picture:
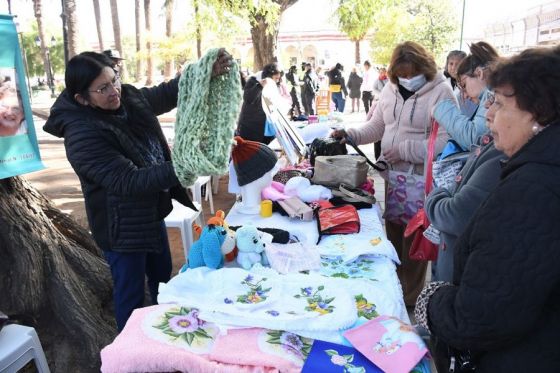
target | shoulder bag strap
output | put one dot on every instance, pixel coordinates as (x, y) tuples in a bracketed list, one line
[(379, 166), (430, 156)]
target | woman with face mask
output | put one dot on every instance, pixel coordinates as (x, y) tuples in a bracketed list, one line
[(401, 120), (472, 74)]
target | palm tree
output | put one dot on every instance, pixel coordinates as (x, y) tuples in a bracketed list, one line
[(69, 9), (148, 20), (198, 32), (38, 10), (99, 24), (168, 67), (138, 20), (117, 32)]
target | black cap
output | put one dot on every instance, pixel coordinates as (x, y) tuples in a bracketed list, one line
[(113, 54)]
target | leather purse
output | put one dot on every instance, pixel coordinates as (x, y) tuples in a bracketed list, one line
[(337, 220), (422, 248), (331, 171), (297, 209)]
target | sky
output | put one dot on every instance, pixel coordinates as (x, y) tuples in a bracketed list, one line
[(478, 13)]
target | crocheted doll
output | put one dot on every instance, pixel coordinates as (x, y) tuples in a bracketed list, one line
[(228, 247), (207, 110), (251, 247), (207, 250)]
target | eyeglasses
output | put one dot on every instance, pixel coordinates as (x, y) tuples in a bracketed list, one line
[(461, 82), (490, 97), (14, 110), (106, 88)]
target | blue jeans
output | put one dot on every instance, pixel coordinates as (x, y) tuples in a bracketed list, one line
[(129, 271), (339, 101)]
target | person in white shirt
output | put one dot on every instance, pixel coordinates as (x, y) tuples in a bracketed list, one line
[(369, 79)]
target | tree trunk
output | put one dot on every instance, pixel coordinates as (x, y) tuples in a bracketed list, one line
[(264, 38), (99, 24), (53, 278), (138, 20), (168, 70), (198, 29), (117, 34), (38, 10), (72, 24), (357, 51), (150, 62)]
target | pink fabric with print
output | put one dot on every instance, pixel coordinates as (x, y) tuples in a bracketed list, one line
[(240, 346), (388, 343), (133, 351)]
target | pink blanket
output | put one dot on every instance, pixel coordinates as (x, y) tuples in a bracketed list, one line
[(169, 338)]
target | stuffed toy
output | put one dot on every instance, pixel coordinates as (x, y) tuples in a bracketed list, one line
[(250, 246), (228, 247), (207, 250)]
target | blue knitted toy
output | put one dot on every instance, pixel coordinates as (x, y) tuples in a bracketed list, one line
[(207, 250)]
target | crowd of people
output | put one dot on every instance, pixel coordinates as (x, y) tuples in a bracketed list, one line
[(494, 299), (492, 305)]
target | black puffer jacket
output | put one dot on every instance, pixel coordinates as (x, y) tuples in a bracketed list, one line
[(126, 196), (252, 117), (504, 305)]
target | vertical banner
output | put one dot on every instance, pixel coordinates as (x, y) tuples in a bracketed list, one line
[(19, 150)]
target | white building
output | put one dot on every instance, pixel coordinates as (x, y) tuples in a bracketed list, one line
[(309, 33), (541, 26)]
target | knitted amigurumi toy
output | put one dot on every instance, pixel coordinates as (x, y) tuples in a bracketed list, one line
[(228, 247), (251, 247), (207, 250)]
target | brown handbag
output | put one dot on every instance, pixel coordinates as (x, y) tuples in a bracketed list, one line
[(334, 170)]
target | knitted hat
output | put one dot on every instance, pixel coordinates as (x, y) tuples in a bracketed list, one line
[(251, 160)]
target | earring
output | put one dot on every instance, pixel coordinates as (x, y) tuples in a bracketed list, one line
[(536, 129)]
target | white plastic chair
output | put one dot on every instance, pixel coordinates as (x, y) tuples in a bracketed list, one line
[(18, 346), (183, 217), (196, 191)]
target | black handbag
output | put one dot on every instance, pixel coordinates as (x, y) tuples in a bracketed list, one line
[(327, 146), (4, 320)]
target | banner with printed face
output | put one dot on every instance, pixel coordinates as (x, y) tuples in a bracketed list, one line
[(19, 151)]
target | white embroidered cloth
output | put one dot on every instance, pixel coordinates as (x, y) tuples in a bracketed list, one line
[(233, 296), (370, 240)]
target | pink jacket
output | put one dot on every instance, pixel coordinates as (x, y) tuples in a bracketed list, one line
[(405, 124)]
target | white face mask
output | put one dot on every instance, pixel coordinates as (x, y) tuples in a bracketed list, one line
[(413, 84)]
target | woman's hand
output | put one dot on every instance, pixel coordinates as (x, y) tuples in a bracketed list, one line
[(392, 155), (222, 65), (340, 135)]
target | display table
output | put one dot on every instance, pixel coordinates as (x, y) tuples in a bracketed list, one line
[(171, 337)]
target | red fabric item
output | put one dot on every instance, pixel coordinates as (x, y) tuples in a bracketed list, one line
[(338, 220), (422, 248)]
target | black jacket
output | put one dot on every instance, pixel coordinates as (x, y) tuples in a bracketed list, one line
[(504, 305), (252, 118), (126, 195)]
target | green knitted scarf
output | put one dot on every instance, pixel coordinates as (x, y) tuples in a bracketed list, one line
[(207, 110)]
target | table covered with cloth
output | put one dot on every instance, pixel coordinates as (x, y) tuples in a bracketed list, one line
[(205, 322)]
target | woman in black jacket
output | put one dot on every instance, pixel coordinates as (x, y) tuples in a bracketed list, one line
[(502, 311), (115, 144), (252, 118)]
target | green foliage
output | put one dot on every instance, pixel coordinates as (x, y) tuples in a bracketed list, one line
[(431, 23), (33, 53), (435, 24), (356, 17), (392, 28)]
